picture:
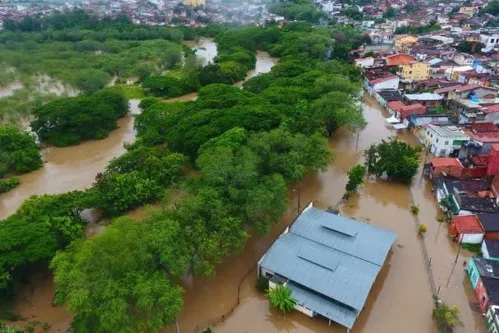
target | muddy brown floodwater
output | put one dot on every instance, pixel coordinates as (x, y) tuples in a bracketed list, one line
[(400, 300), (73, 168)]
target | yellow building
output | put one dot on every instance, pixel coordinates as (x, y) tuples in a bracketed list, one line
[(414, 71), (401, 42), (194, 3)]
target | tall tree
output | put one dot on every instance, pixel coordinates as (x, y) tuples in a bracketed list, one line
[(113, 283)]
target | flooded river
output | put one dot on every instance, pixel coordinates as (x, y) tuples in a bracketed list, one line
[(73, 168), (400, 300)]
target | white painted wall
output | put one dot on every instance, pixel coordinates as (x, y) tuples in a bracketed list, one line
[(304, 310), (472, 238), (389, 84), (485, 252)]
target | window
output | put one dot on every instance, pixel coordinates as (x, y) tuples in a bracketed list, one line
[(437, 140), (446, 143)]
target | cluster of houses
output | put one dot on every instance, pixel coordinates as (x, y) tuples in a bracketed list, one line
[(449, 101)]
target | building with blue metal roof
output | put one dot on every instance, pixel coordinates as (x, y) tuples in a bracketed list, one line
[(329, 262)]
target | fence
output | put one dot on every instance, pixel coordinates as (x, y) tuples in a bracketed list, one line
[(427, 258)]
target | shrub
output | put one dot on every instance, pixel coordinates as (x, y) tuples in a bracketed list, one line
[(281, 299), (423, 228), (447, 317), (8, 184), (415, 210)]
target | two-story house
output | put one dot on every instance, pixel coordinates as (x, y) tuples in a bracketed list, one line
[(414, 71)]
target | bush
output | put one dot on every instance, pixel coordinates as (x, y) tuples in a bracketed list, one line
[(422, 228), (447, 317), (415, 210), (262, 284), (281, 299), (8, 184)]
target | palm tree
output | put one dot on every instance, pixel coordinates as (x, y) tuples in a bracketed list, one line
[(281, 299)]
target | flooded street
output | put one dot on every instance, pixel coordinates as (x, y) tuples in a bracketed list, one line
[(400, 300)]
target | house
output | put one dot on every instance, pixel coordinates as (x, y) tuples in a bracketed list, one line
[(409, 110), (386, 82), (484, 135), (463, 59), (466, 229), (466, 196), (484, 277), (493, 319), (443, 140), (364, 62), (490, 249), (399, 59), (426, 99), (418, 120), (447, 166), (452, 73), (403, 41), (490, 224), (414, 71), (329, 262)]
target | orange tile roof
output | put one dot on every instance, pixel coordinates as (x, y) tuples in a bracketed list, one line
[(467, 224), (445, 161), (399, 59)]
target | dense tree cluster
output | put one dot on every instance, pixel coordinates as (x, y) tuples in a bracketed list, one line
[(491, 8), (84, 51), (432, 26), (396, 160), (136, 178), (19, 152), (68, 121), (41, 226), (300, 10), (246, 144)]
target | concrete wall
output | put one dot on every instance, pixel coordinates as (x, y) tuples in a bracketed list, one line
[(304, 310), (389, 84), (481, 296), (471, 238), (473, 273)]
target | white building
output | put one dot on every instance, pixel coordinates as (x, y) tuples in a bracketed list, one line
[(364, 62), (443, 140), (385, 83)]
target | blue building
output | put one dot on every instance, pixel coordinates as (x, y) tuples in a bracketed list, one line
[(329, 262)]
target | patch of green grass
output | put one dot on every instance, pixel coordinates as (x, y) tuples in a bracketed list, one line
[(476, 248)]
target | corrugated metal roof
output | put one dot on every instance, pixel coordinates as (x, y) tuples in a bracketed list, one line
[(370, 243), (323, 306), (333, 256)]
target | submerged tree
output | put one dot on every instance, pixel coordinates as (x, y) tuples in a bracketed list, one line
[(395, 159), (355, 178), (447, 317), (281, 299)]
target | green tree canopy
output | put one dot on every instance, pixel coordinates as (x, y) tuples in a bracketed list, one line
[(113, 283), (68, 121), (19, 152), (397, 159)]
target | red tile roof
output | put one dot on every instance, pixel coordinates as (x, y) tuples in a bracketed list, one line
[(491, 108), (399, 59), (445, 161), (467, 224), (446, 89), (467, 87), (396, 105), (484, 127)]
